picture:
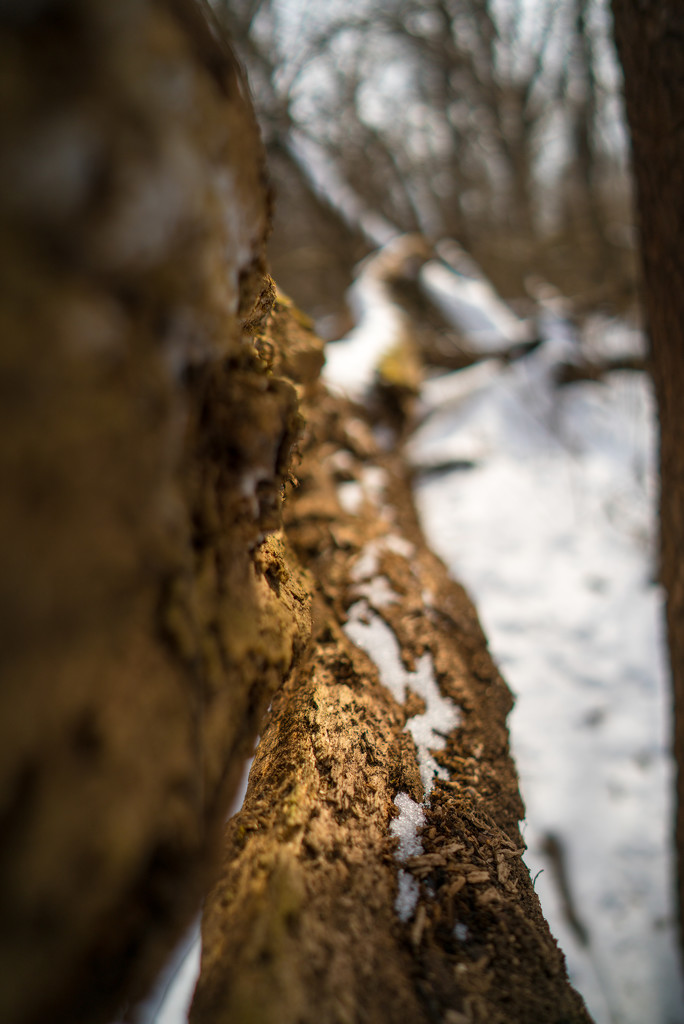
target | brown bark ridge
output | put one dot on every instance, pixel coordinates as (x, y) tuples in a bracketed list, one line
[(374, 873), (650, 40), (144, 446)]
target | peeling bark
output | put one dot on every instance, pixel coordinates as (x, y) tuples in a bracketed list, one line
[(307, 922)]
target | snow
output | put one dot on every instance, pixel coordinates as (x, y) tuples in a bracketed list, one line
[(169, 1002), (366, 565), (378, 592), (353, 493), (408, 891), (405, 828), (469, 302), (440, 716), (249, 483), (351, 496), (352, 362), (371, 633), (542, 501)]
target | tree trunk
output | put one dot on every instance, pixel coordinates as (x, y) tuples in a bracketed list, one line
[(144, 446), (650, 39), (374, 873)]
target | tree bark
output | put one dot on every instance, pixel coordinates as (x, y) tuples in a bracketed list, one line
[(650, 40), (144, 446), (312, 918)]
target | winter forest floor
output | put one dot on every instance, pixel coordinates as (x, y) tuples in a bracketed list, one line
[(552, 529), (541, 500)]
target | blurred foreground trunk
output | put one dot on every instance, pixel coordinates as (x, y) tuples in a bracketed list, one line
[(153, 606), (143, 449), (650, 39)]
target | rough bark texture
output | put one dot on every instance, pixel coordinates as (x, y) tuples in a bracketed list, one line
[(143, 446), (650, 38), (302, 925)]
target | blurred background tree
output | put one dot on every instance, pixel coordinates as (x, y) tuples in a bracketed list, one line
[(496, 122)]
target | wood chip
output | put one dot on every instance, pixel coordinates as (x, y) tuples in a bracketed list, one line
[(503, 869), (426, 860), (452, 848), (418, 925), (456, 886), (490, 895), (454, 1017), (477, 877)]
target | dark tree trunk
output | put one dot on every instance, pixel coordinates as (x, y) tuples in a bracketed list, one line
[(650, 40)]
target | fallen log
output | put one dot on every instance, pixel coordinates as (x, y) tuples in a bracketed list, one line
[(374, 872)]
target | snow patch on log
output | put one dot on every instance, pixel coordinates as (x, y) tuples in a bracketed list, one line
[(405, 828), (370, 487), (368, 563), (378, 592), (429, 730), (376, 638), (351, 363), (351, 496)]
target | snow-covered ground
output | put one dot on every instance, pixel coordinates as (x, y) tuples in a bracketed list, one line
[(552, 530)]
